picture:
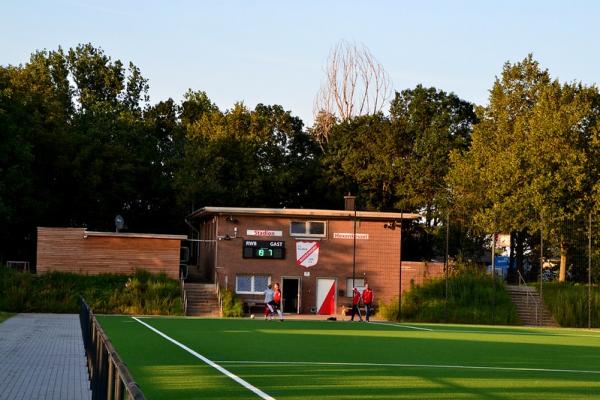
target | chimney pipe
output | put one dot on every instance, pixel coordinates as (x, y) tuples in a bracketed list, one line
[(349, 202)]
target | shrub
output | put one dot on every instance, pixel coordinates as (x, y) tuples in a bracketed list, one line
[(58, 292), (231, 305), (472, 299)]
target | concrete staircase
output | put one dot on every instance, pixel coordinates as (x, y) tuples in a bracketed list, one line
[(530, 309), (201, 299)]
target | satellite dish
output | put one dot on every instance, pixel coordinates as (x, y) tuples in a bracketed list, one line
[(119, 222)]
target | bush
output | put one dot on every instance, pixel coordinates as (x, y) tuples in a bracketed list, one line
[(232, 306), (58, 292), (472, 299), (568, 303)]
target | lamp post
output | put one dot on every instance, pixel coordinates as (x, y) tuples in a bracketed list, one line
[(350, 204), (392, 226), (400, 269)]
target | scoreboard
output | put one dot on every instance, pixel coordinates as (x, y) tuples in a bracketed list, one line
[(264, 249)]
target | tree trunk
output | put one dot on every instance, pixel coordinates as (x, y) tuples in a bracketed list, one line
[(519, 250), (562, 275)]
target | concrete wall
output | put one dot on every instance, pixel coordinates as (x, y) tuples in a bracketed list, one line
[(78, 251)]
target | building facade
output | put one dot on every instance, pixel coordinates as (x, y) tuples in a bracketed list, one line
[(80, 251), (316, 256)]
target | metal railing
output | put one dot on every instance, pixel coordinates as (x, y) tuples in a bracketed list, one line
[(109, 377), (183, 297), (218, 290), (529, 296)]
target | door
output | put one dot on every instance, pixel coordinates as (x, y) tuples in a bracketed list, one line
[(290, 295), (326, 288)]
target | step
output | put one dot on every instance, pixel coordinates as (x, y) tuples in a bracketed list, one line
[(526, 299)]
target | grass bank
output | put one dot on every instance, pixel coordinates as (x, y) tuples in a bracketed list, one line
[(473, 298), (4, 316), (57, 292), (568, 303)]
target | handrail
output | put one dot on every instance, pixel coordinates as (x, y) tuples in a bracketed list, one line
[(183, 297), (218, 290), (109, 377), (182, 278), (529, 296)]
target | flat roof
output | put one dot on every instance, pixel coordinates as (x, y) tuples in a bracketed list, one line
[(135, 235), (301, 212)]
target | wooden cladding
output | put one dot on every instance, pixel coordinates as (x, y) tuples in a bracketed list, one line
[(73, 250)]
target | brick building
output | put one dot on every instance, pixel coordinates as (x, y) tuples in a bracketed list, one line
[(311, 253)]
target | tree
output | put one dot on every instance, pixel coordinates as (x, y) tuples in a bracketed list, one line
[(529, 166), (242, 157), (432, 123), (355, 84), (366, 156)]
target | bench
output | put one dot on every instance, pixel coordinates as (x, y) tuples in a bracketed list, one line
[(347, 310), (252, 307)]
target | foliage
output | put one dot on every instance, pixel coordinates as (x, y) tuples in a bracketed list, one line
[(4, 316), (58, 292), (473, 298), (399, 162), (533, 159), (243, 157), (568, 303), (232, 306)]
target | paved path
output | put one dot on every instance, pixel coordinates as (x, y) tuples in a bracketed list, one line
[(42, 357)]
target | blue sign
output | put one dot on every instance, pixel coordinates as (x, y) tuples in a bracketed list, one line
[(502, 262)]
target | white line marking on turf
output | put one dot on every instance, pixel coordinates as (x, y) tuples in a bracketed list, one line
[(216, 366), (516, 333), (358, 364), (401, 326), (498, 332)]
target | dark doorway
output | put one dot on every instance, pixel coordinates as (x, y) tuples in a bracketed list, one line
[(291, 289)]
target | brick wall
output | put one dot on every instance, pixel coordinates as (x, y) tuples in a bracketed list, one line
[(377, 257), (75, 250)]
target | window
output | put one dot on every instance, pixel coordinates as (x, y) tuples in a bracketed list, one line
[(358, 282), (251, 284), (307, 228)]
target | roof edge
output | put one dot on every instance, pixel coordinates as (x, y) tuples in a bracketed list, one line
[(135, 235), (301, 212)]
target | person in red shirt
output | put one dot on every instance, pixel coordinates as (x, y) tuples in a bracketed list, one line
[(355, 301), (277, 300), (367, 298)]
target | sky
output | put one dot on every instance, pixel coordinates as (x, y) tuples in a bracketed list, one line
[(274, 52)]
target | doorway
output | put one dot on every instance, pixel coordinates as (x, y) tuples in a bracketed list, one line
[(290, 295)]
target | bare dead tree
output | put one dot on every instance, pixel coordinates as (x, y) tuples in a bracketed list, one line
[(355, 84)]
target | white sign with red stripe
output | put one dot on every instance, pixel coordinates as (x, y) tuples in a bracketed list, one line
[(307, 253), (325, 296)]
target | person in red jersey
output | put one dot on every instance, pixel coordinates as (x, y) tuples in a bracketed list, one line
[(355, 302), (367, 298), (277, 301)]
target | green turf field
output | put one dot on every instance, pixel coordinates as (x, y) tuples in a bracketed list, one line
[(343, 360)]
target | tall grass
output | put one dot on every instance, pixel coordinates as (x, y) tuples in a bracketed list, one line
[(472, 299), (4, 316), (58, 292), (568, 303)]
